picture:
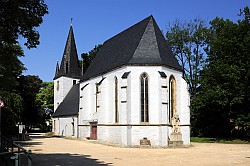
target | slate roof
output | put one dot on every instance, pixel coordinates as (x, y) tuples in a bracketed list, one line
[(57, 70), (141, 44), (69, 65), (70, 105)]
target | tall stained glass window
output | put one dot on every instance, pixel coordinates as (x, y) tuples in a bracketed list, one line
[(144, 98), (116, 101)]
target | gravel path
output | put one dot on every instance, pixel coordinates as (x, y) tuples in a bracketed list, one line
[(52, 151)]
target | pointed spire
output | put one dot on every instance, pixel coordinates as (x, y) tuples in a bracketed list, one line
[(70, 65), (82, 67), (57, 69)]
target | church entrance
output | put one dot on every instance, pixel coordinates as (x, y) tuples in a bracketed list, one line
[(93, 130), (93, 134)]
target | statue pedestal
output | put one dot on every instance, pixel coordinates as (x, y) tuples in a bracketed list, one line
[(175, 139), (175, 136)]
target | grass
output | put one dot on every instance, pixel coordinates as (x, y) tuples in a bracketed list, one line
[(220, 140)]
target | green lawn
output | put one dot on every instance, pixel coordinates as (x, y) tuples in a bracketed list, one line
[(219, 140)]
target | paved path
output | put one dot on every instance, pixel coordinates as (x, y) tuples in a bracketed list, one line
[(65, 152)]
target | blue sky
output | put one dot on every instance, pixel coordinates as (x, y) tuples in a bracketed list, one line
[(95, 21)]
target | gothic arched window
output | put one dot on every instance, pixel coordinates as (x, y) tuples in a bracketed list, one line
[(116, 101), (172, 97), (144, 98)]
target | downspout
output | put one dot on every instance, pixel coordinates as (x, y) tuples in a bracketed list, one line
[(58, 126), (77, 134)]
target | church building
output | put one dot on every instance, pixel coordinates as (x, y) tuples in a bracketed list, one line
[(132, 94)]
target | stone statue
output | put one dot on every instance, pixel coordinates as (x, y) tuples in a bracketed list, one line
[(176, 124), (176, 136)]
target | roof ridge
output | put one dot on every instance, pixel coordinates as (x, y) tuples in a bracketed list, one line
[(128, 28), (148, 42), (156, 36), (141, 35)]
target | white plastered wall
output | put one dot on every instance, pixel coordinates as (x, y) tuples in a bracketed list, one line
[(65, 84), (66, 126), (129, 130), (182, 103)]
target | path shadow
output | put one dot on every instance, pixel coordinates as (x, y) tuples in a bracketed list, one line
[(63, 159), (57, 159), (37, 135), (29, 142)]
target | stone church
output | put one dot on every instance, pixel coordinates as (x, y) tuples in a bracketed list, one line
[(132, 94)]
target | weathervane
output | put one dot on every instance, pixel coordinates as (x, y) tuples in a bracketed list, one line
[(71, 19)]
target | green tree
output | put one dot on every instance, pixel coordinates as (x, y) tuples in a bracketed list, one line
[(45, 98), (46, 95), (11, 112), (222, 107), (29, 87), (18, 19), (11, 66), (88, 57), (189, 42)]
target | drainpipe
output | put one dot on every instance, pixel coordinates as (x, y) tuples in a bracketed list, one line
[(77, 134)]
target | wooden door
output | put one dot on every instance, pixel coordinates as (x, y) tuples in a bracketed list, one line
[(93, 134)]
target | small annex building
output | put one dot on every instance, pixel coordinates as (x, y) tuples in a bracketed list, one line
[(132, 93)]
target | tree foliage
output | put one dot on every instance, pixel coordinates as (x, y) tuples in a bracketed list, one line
[(45, 99), (222, 107), (29, 87), (88, 57), (11, 112), (19, 18), (46, 95), (11, 66), (188, 42)]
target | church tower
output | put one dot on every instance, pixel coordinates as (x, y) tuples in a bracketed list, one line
[(69, 72)]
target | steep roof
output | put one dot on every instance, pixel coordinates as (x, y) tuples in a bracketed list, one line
[(70, 105), (57, 69), (141, 44), (69, 65)]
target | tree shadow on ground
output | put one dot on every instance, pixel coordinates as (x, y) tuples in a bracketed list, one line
[(27, 144), (62, 159)]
